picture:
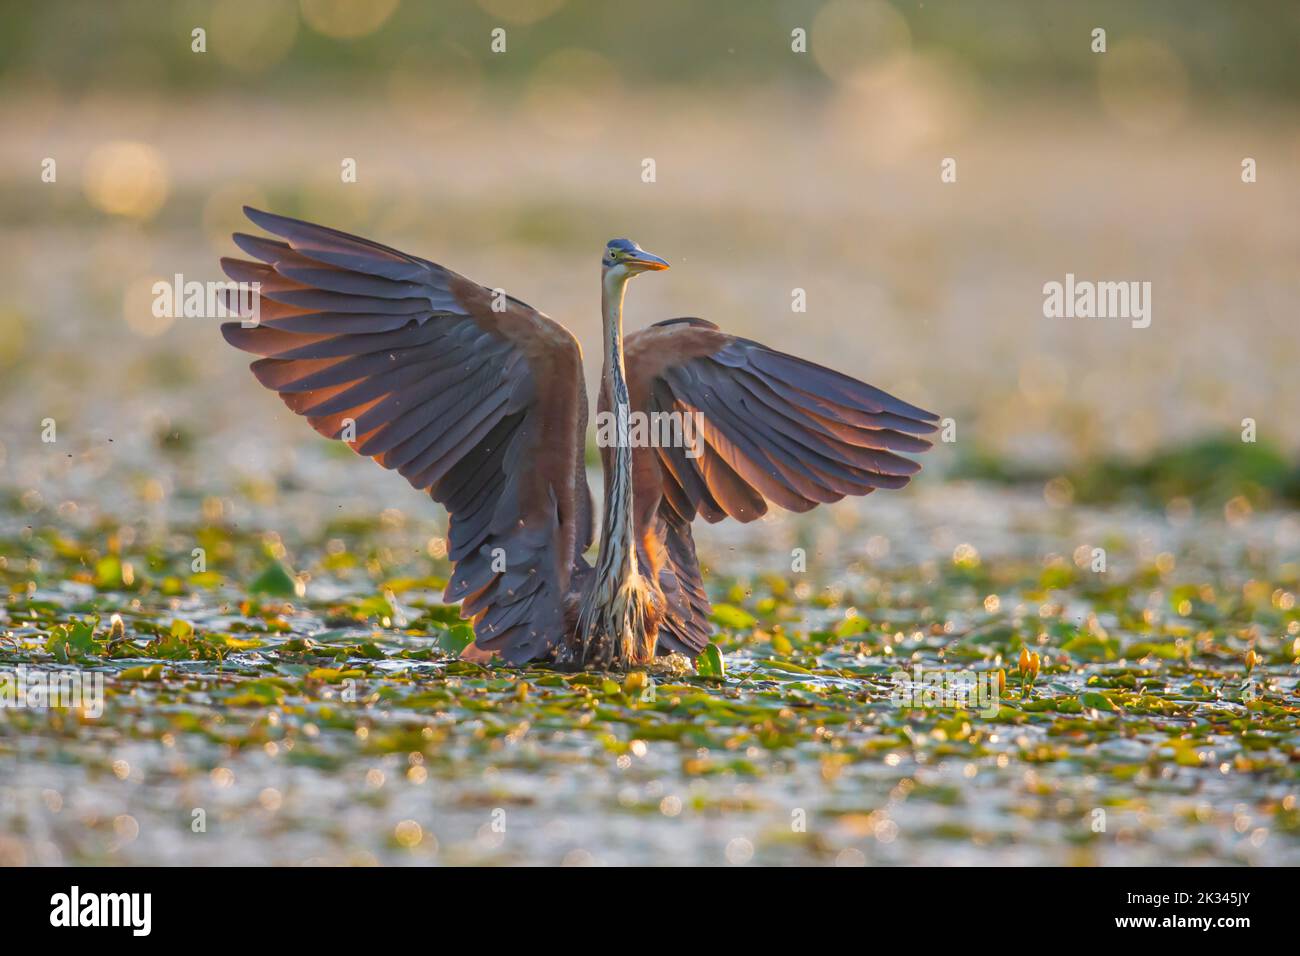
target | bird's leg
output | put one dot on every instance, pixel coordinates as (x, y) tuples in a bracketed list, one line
[(614, 631)]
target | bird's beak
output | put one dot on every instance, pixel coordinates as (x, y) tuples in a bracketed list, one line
[(646, 262)]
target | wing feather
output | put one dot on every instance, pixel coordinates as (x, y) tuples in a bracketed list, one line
[(484, 410), (775, 429)]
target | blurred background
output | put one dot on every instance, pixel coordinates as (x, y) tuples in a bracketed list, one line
[(775, 170)]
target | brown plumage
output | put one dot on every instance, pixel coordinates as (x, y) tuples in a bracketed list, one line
[(479, 399)]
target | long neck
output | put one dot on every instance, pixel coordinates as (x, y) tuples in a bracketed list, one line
[(616, 562)]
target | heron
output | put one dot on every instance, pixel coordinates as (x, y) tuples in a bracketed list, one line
[(479, 399)]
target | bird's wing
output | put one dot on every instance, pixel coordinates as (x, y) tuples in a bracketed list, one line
[(467, 393), (773, 428), (667, 552)]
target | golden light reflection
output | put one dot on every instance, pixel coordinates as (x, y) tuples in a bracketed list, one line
[(739, 851), (408, 833), (126, 179), (222, 777), (1237, 510), (251, 36), (347, 19), (889, 112), (1059, 492), (126, 827)]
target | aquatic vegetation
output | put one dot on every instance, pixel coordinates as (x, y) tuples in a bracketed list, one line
[(302, 700), (1211, 471)]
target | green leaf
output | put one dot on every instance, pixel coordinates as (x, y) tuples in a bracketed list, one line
[(74, 639), (709, 663), (456, 638), (1090, 647), (255, 693), (852, 627), (733, 618), (787, 666), (108, 573), (1167, 652), (374, 606), (1096, 701), (150, 672), (276, 581), (332, 675), (237, 643), (205, 579)]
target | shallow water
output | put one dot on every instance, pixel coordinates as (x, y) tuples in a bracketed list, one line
[(798, 755)]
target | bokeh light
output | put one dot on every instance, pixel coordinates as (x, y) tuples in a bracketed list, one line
[(887, 113), (849, 37), (251, 36), (126, 179)]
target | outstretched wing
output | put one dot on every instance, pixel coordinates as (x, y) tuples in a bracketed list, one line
[(772, 429), (482, 407)]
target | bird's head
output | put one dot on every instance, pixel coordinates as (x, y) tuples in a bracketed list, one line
[(623, 257)]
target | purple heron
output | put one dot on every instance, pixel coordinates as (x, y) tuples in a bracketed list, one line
[(480, 400)]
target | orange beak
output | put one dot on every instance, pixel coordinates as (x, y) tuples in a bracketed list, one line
[(647, 262)]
